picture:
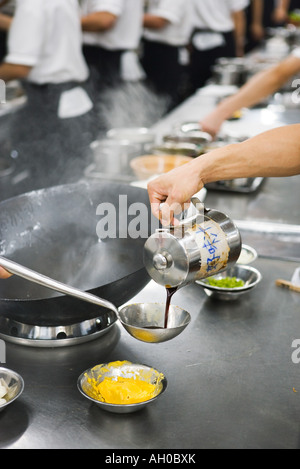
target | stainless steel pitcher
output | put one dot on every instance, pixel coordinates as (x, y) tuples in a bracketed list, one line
[(199, 247)]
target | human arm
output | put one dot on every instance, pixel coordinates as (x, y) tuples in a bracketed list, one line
[(154, 21), (258, 87), (239, 20), (256, 26), (98, 21), (5, 22), (280, 13), (13, 71), (25, 41), (275, 153)]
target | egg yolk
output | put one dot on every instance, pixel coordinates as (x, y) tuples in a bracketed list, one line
[(123, 390), (131, 389)]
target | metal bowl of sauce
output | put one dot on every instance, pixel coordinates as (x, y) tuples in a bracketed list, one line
[(122, 387)]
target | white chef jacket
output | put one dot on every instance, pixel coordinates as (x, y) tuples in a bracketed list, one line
[(178, 13), (46, 35), (127, 31), (216, 15)]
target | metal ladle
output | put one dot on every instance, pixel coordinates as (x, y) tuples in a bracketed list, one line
[(144, 321)]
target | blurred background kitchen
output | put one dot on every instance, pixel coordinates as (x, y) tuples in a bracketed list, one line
[(75, 70)]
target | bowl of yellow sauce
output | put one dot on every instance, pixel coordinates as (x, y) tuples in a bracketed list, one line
[(121, 386)]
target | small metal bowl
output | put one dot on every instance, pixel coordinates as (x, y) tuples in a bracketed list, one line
[(15, 385), (247, 256), (197, 137), (249, 275), (175, 148), (145, 321), (124, 369)]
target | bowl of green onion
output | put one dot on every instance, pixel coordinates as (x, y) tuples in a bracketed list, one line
[(232, 283)]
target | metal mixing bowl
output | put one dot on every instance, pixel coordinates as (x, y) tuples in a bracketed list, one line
[(247, 256), (125, 369), (249, 275), (14, 383), (145, 321)]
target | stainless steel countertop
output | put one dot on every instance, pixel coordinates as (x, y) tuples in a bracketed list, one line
[(231, 379)]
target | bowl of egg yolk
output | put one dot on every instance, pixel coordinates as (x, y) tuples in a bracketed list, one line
[(122, 387)]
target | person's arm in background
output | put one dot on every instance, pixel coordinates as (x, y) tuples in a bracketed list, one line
[(275, 153), (98, 21), (5, 22), (154, 22), (258, 87), (25, 41), (257, 26), (239, 19), (280, 13), (10, 71)]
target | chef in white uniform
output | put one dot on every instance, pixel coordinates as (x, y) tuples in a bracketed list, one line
[(45, 51), (167, 29), (111, 28), (219, 31)]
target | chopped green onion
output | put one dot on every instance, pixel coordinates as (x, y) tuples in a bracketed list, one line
[(227, 282)]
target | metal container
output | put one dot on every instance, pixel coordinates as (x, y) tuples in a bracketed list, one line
[(146, 321), (201, 247), (124, 370), (111, 159), (196, 137), (177, 148), (14, 384), (141, 136), (230, 71), (250, 276)]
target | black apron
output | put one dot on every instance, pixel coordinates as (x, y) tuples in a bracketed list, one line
[(104, 65), (202, 61), (163, 70), (49, 149)]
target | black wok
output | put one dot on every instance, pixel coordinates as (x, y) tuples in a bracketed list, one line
[(54, 231)]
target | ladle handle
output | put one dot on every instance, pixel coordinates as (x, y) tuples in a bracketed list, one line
[(35, 277)]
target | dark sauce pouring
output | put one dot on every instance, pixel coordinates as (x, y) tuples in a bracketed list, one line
[(170, 293)]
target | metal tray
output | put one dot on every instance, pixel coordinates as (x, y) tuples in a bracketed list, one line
[(243, 185)]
